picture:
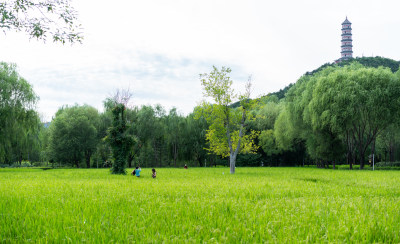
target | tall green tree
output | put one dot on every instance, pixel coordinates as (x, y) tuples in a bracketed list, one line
[(41, 19), (73, 135), (387, 143), (144, 130), (131, 117), (265, 116), (268, 143), (339, 107), (194, 140), (119, 139), (150, 136), (290, 129), (356, 102), (44, 137), (226, 134), (174, 131), (19, 122)]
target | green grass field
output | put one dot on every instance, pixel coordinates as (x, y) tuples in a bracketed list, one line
[(256, 205)]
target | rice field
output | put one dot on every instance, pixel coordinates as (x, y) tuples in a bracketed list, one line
[(200, 205)]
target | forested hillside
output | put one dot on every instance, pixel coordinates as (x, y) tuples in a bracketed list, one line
[(366, 61)]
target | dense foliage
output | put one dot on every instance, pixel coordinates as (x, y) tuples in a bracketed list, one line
[(340, 109), (373, 62), (342, 114), (73, 135), (119, 140), (226, 134), (19, 121)]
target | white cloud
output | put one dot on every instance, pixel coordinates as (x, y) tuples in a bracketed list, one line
[(158, 48)]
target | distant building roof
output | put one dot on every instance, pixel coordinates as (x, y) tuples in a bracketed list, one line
[(346, 21)]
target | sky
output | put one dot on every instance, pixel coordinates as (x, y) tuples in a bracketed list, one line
[(158, 48)]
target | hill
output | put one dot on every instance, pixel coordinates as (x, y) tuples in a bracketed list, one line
[(366, 61)]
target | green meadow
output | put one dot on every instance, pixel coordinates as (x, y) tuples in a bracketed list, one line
[(256, 205)]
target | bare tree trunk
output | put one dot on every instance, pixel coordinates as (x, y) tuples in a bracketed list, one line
[(155, 154), (175, 153), (235, 153), (160, 158), (373, 151), (391, 151), (385, 155), (349, 157), (362, 156), (354, 161), (130, 159), (232, 163), (87, 158), (88, 162), (20, 158)]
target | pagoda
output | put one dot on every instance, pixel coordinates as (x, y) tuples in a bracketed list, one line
[(347, 41)]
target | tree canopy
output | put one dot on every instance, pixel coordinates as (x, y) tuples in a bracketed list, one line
[(341, 114), (73, 135), (226, 134), (19, 121), (340, 107)]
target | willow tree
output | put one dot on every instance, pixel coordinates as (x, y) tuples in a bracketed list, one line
[(339, 107), (226, 134), (19, 121), (356, 103)]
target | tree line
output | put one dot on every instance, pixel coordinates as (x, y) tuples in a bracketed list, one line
[(338, 114)]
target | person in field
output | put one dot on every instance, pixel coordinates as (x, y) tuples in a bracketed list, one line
[(185, 167), (134, 172), (137, 171), (153, 173)]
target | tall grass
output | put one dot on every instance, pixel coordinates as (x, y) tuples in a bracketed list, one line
[(282, 205)]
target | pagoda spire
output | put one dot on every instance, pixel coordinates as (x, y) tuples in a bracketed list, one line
[(347, 41)]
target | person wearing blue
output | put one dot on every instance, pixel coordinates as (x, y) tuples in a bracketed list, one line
[(137, 171)]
